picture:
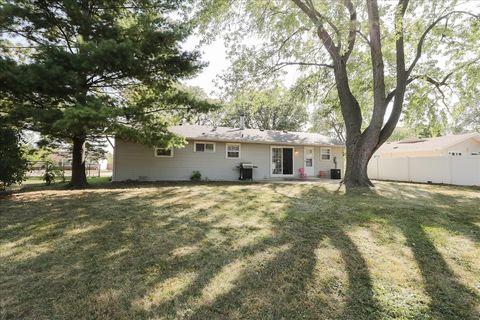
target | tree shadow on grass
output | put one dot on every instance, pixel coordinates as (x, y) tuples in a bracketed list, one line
[(284, 287), (454, 214), (207, 253), (450, 299)]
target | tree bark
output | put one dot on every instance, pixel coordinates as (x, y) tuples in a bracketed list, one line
[(358, 155), (79, 178)]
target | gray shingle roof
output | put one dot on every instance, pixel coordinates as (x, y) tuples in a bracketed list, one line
[(195, 132)]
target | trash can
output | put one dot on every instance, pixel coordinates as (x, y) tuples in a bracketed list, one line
[(335, 174)]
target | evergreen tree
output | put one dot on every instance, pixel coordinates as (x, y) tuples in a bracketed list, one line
[(66, 64), (13, 165)]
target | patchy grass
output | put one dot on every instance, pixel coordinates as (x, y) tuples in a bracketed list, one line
[(231, 251), (37, 183)]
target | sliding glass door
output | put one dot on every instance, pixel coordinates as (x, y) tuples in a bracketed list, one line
[(282, 161)]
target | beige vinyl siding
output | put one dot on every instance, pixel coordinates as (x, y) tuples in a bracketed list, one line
[(138, 162), (326, 165), (466, 147)]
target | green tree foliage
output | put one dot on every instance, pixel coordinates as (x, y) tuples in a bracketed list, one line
[(268, 109), (466, 110), (403, 133), (381, 57), (327, 120), (66, 65), (13, 165)]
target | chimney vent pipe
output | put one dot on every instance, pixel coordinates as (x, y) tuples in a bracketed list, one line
[(242, 121)]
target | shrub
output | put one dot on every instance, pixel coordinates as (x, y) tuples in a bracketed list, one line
[(13, 165), (196, 176), (52, 172)]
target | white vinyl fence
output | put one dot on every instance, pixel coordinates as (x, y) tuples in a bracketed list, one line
[(461, 170)]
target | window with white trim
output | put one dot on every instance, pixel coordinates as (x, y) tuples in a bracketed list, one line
[(163, 152), (204, 147), (325, 153), (232, 150)]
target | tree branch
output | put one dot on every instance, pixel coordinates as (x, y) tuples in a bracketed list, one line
[(44, 6), (363, 36), (379, 105), (313, 15), (324, 18), (402, 76), (353, 28), (425, 33), (284, 42), (288, 63), (391, 94)]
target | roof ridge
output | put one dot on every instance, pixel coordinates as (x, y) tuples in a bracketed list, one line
[(249, 135)]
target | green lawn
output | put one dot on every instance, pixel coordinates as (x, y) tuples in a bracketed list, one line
[(231, 251), (38, 183)]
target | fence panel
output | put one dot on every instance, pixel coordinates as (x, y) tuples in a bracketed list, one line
[(38, 169), (466, 170), (430, 169), (462, 170)]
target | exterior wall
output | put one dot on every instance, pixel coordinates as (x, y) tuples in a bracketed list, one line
[(138, 162), (464, 170), (326, 165), (466, 148)]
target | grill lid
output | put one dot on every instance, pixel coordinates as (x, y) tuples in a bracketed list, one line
[(246, 165)]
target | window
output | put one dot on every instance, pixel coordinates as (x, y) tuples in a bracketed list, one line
[(163, 152), (325, 153), (204, 147), (232, 150)]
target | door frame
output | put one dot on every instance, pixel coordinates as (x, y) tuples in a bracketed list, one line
[(305, 161), (293, 161)]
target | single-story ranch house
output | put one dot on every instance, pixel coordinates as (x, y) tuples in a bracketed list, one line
[(217, 152)]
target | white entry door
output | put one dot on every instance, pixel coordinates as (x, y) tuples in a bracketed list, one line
[(308, 159)]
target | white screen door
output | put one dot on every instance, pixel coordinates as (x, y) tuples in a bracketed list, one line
[(308, 157)]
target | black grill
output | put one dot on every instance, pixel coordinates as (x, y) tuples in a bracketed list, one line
[(246, 171)]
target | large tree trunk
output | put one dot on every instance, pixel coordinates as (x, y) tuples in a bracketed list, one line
[(79, 178), (361, 144), (358, 156)]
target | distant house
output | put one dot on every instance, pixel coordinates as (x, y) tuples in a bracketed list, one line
[(454, 145), (453, 159), (217, 152)]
